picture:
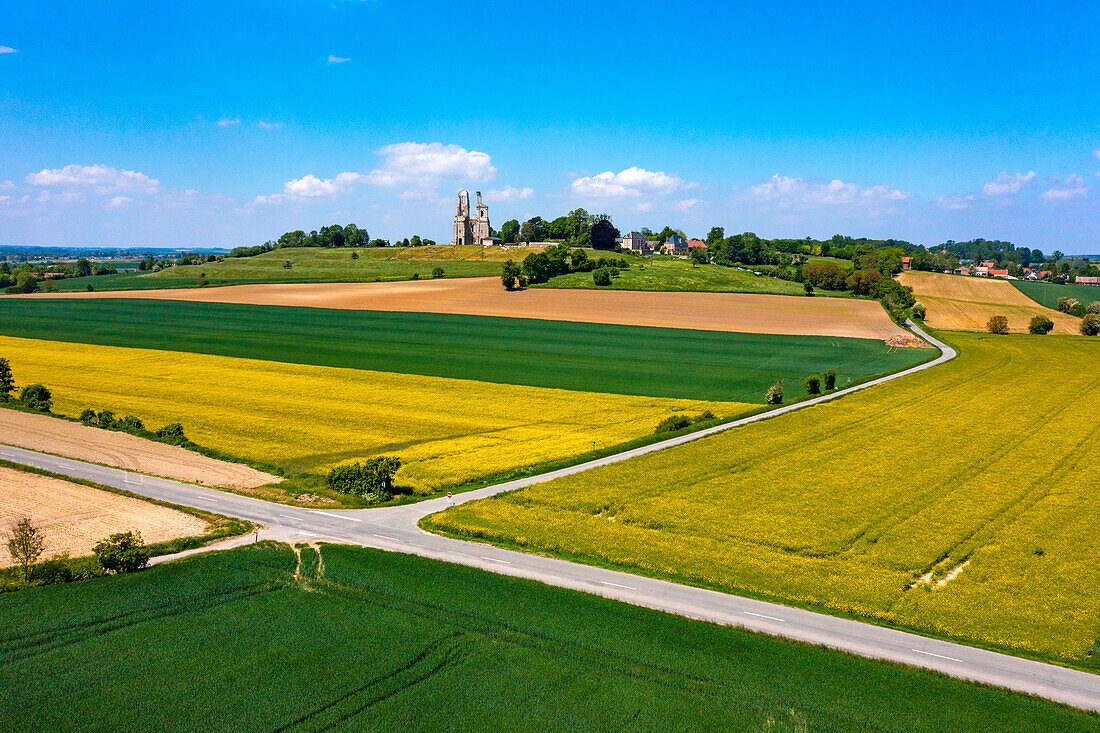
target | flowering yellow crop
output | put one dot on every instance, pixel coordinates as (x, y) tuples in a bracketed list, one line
[(308, 417), (991, 458)]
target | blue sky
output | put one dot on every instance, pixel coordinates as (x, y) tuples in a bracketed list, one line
[(216, 124)]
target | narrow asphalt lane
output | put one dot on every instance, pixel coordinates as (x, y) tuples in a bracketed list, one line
[(395, 529)]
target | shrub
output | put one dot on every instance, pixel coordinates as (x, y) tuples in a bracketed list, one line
[(919, 311), (90, 287), (355, 255), (286, 264), (1078, 309), (1065, 303), (511, 275), (437, 272), (1094, 307), (997, 324), (373, 476), (7, 381), (122, 552), (36, 397), (106, 419), (24, 283), (1090, 325), (602, 276), (673, 422), (415, 276), (1040, 325), (774, 395), (88, 417), (812, 384), (829, 378), (806, 286), (130, 424), (171, 433)]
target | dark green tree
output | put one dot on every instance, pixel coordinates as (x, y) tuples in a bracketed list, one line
[(603, 234), (7, 380), (83, 268), (122, 552), (511, 275), (36, 397)]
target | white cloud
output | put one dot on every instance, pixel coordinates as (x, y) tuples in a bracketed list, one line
[(46, 196), (422, 166), (119, 201), (633, 181), (787, 191), (97, 178), (508, 193), (269, 125), (955, 203), (310, 186), (1073, 185), (7, 49), (334, 59), (1096, 153), (686, 204), (7, 186), (227, 121), (1005, 184)]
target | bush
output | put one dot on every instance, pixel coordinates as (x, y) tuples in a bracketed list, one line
[(830, 378), (7, 381), (812, 384), (64, 569), (355, 255), (1040, 325), (602, 276), (919, 311), (106, 419), (171, 433), (997, 324), (1078, 309), (511, 275), (415, 276), (808, 288), (774, 395), (36, 397), (437, 272), (1090, 324), (673, 422), (1065, 304), (88, 417), (130, 424), (122, 552), (373, 476), (1094, 307), (90, 287)]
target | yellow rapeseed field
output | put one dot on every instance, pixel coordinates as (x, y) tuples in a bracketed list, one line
[(308, 418), (871, 504)]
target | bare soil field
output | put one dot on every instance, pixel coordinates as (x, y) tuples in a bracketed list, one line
[(740, 312), (74, 517), (85, 443), (960, 303)]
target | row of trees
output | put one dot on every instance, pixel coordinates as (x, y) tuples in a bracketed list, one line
[(538, 267), (1041, 325), (334, 235)]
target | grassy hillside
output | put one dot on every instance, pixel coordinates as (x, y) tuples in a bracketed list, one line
[(706, 365), (1048, 293), (376, 641), (671, 274), (956, 501), (314, 264)]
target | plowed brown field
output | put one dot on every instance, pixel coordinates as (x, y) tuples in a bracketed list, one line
[(745, 313), (960, 303), (74, 517), (84, 443)]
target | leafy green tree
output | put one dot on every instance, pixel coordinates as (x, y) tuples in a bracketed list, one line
[(1040, 325), (7, 381), (414, 241), (36, 397), (603, 234), (699, 256), (25, 282), (122, 552), (601, 276), (716, 235), (83, 268), (437, 272), (829, 378), (373, 476), (509, 231), (997, 324), (775, 394), (511, 275), (26, 545), (1090, 324), (812, 384)]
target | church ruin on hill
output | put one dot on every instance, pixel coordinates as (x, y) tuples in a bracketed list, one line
[(472, 229)]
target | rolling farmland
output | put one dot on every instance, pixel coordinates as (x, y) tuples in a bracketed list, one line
[(953, 501), (967, 303), (439, 657), (740, 312), (591, 357), (1047, 294), (305, 418)]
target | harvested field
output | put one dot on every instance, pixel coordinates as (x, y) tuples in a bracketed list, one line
[(74, 517), (961, 303), (740, 312), (84, 443)]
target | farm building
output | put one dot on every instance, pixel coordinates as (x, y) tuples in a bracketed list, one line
[(907, 263), (1087, 280)]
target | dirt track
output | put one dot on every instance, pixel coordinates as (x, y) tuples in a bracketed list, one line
[(74, 517), (121, 450), (745, 313), (956, 302)]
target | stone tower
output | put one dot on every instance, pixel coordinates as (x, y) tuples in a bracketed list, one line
[(471, 229)]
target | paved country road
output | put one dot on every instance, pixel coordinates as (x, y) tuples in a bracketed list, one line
[(395, 529)]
